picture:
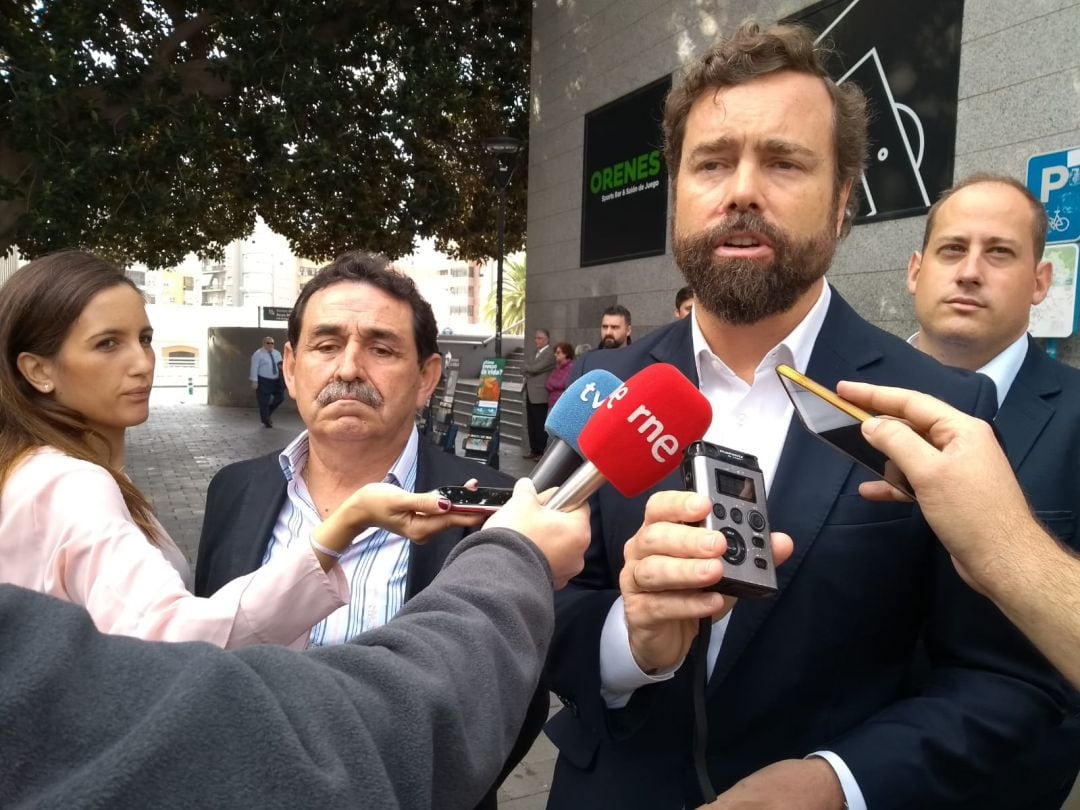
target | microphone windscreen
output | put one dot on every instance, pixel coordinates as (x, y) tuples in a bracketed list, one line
[(637, 437), (577, 405)]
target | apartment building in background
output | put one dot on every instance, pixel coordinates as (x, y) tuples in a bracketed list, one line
[(456, 289)]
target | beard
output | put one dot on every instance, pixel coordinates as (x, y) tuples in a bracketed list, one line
[(608, 343), (354, 389), (743, 291)]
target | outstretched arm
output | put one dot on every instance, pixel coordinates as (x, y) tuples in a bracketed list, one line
[(420, 713)]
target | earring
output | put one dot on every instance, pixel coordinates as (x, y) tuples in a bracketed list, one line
[(47, 387)]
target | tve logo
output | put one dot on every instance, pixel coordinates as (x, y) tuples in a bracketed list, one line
[(590, 394), (1054, 178)]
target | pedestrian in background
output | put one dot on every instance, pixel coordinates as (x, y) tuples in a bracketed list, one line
[(684, 302), (615, 327), (560, 376), (536, 369), (265, 376)]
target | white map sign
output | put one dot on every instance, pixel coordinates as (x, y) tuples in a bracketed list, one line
[(1055, 316)]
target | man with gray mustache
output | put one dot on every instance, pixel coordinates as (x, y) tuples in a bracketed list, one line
[(361, 359)]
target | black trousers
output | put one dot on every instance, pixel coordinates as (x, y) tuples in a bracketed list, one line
[(269, 394), (536, 413)]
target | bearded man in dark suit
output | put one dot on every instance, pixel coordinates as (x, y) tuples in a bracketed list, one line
[(806, 694)]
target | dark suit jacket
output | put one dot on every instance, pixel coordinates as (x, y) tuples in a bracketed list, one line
[(824, 664), (1039, 426), (242, 506), (245, 498)]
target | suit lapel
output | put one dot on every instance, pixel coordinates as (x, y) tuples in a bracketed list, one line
[(809, 475), (258, 510), (426, 560), (677, 349), (1025, 411)]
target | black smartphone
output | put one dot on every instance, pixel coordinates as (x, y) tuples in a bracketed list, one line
[(483, 499), (838, 423)]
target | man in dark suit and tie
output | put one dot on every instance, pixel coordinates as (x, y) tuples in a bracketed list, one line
[(806, 702), (362, 358), (974, 282)]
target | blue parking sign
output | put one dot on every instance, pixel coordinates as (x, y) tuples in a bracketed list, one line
[(1054, 178)]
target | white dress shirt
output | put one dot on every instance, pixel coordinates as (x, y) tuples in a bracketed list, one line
[(752, 419), (264, 364), (1003, 368), (376, 564)]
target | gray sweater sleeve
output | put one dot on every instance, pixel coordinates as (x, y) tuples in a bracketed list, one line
[(419, 713)]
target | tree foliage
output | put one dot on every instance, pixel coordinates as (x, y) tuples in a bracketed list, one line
[(146, 130), (513, 303)]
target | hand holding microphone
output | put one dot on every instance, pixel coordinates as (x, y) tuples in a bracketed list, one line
[(632, 442)]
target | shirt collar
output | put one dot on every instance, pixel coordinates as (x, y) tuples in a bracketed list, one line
[(795, 349), (293, 459), (1003, 367)]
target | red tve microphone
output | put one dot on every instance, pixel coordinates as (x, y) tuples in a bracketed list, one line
[(637, 436)]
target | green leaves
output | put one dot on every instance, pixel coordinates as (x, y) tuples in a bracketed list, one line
[(150, 130)]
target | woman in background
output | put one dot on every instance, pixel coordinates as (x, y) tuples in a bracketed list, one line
[(76, 369), (560, 376)]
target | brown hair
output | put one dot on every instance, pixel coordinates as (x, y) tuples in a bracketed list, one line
[(566, 349), (369, 268), (751, 53), (1039, 221), (38, 306)]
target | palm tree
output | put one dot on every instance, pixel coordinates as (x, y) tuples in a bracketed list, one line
[(513, 300)]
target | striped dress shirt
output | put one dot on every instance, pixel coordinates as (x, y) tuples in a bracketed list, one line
[(375, 565)]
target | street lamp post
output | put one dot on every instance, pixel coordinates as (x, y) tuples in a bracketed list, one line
[(505, 149)]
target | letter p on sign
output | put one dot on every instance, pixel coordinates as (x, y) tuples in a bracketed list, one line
[(1054, 178)]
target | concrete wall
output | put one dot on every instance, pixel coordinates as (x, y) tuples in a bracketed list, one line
[(1019, 94)]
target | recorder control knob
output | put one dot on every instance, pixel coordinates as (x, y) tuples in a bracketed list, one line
[(736, 548), (756, 520), (736, 514), (719, 510)]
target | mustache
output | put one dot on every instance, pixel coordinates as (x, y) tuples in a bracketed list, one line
[(741, 222), (354, 389)]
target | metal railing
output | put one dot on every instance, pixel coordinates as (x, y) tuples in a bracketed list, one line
[(506, 329)]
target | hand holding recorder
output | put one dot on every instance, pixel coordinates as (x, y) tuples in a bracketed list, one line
[(634, 440), (667, 578)]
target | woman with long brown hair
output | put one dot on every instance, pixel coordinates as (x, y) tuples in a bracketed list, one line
[(76, 370)]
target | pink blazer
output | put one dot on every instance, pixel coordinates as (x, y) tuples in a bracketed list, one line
[(65, 531)]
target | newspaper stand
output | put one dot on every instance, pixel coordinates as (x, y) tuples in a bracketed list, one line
[(482, 440)]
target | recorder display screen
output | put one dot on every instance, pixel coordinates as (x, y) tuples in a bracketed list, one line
[(735, 486)]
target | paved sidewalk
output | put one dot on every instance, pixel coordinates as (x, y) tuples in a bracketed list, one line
[(172, 458)]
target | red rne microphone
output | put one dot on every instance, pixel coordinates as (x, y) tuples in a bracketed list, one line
[(637, 436)]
